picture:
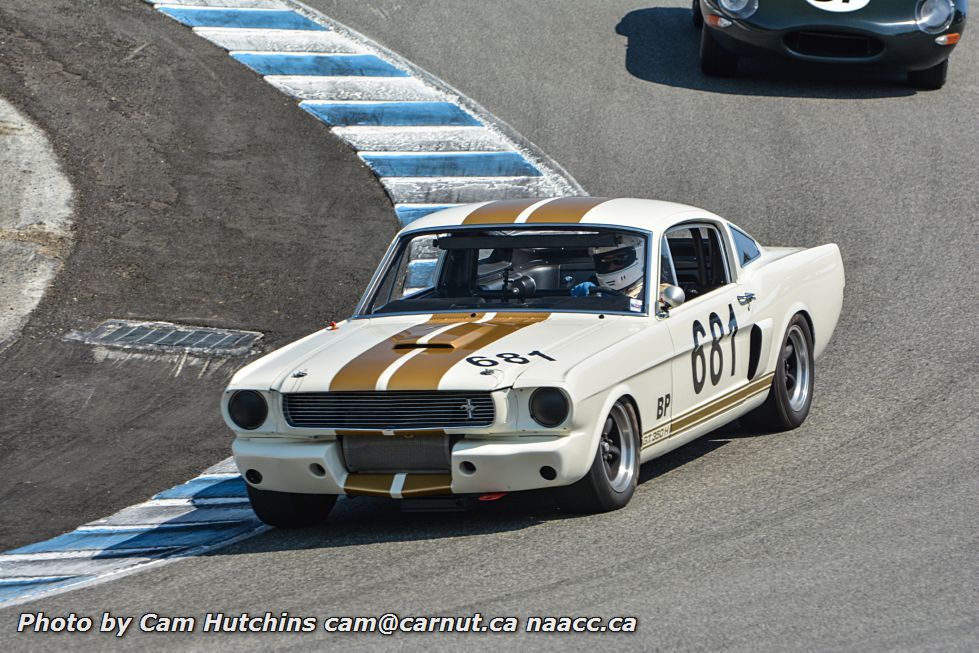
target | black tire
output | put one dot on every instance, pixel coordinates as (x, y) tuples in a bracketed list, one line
[(598, 491), (929, 79), (698, 16), (290, 509), (785, 408), (715, 61)]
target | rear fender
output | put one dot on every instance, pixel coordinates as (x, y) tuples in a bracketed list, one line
[(808, 281), (814, 280)]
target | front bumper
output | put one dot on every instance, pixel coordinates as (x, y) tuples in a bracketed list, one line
[(498, 464), (894, 45)]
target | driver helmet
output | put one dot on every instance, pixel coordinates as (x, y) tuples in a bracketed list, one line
[(620, 267)]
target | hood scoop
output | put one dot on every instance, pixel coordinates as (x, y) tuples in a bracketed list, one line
[(459, 337)]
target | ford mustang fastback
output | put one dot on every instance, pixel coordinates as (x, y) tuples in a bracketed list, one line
[(541, 343)]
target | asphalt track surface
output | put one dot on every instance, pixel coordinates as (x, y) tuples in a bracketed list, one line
[(856, 531), (202, 196)]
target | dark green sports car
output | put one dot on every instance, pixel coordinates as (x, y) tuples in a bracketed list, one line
[(912, 35)]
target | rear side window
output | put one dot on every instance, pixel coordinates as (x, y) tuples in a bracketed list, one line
[(745, 246)]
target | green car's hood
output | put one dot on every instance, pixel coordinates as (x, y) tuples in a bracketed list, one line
[(885, 17)]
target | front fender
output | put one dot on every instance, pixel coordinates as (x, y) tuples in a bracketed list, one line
[(593, 412)]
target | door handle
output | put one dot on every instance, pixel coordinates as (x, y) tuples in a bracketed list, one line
[(746, 298)]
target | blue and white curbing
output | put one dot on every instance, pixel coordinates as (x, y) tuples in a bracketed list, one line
[(430, 146), (207, 512)]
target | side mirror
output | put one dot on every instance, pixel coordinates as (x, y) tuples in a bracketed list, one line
[(672, 296)]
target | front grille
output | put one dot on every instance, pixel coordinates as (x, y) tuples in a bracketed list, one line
[(832, 44), (388, 410), (379, 454)]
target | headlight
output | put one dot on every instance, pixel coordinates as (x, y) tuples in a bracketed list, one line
[(934, 16), (739, 8), (248, 409), (549, 407)]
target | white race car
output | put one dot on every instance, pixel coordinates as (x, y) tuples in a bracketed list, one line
[(525, 344)]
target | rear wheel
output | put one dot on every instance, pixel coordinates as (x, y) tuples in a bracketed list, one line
[(929, 79), (614, 473), (698, 16), (714, 59), (788, 402), (290, 509)]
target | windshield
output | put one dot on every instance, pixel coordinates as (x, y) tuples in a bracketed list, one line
[(601, 270)]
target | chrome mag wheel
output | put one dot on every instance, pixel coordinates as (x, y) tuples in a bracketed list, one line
[(617, 448), (797, 365)]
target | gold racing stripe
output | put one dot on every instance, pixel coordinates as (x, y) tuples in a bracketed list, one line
[(415, 485), (426, 485), (362, 372), (499, 212), (718, 406), (565, 209), (700, 415), (421, 433), (371, 485), (398, 433), (425, 371)]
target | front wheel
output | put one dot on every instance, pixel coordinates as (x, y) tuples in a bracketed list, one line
[(929, 79), (715, 61), (611, 481), (290, 509), (790, 398)]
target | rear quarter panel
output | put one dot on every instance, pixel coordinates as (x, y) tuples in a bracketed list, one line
[(809, 281)]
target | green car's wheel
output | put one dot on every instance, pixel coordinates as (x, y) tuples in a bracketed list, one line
[(715, 61), (929, 79)]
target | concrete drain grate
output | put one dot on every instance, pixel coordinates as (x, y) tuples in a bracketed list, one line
[(167, 337)]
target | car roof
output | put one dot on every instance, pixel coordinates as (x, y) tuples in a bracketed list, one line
[(650, 215)]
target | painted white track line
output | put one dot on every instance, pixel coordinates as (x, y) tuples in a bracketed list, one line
[(430, 147)]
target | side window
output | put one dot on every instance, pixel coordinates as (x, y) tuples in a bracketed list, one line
[(698, 258), (745, 246)]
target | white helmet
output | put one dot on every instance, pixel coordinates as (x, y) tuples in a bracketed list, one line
[(620, 266)]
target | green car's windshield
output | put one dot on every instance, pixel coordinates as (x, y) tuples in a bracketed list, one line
[(598, 269)]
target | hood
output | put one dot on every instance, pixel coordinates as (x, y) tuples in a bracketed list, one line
[(478, 351), (875, 16)]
